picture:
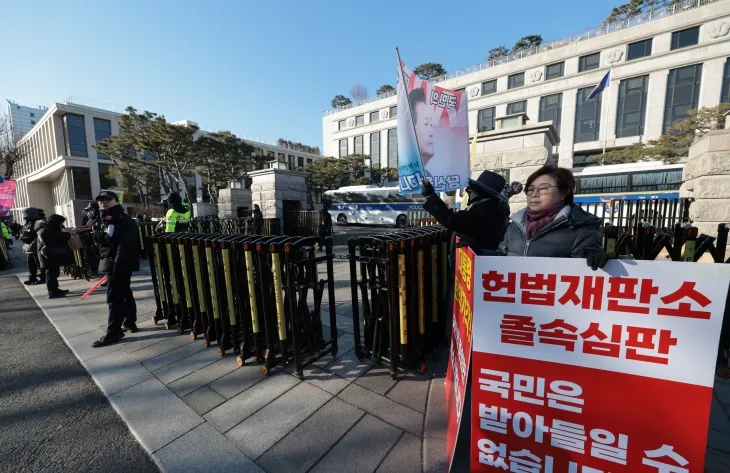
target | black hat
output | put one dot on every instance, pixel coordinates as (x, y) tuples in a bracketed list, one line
[(31, 213), (92, 205), (107, 195), (489, 184)]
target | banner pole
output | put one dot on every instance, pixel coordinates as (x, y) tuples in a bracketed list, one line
[(410, 109), (608, 108)]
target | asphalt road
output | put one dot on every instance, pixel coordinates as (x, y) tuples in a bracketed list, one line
[(52, 415), (345, 232)]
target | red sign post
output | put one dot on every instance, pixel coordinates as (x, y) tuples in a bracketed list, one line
[(460, 350), (580, 371)]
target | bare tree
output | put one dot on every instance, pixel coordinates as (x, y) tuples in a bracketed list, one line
[(10, 150), (358, 92)]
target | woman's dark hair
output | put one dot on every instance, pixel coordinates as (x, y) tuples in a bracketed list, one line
[(564, 178)]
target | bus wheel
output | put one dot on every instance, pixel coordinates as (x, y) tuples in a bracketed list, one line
[(342, 219), (401, 221)]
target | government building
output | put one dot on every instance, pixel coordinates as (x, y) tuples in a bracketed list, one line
[(62, 172), (664, 63)]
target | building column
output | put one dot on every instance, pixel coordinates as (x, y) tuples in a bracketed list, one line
[(567, 129), (711, 85), (93, 161), (609, 106), (655, 104)]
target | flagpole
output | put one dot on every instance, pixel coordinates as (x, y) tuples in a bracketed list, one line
[(410, 109), (608, 107)]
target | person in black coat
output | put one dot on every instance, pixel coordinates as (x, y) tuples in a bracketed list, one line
[(116, 239), (53, 252), (325, 225), (30, 246), (258, 220), (91, 215), (483, 223)]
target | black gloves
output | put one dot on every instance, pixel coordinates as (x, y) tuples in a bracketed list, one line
[(427, 189), (596, 258)]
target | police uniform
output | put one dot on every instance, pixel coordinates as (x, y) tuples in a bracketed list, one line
[(177, 218), (116, 238)]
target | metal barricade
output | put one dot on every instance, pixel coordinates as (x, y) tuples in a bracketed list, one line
[(402, 283)]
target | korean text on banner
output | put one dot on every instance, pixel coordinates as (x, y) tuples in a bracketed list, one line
[(460, 348), (434, 137), (7, 197), (581, 371)]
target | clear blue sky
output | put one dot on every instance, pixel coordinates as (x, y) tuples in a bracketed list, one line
[(265, 68)]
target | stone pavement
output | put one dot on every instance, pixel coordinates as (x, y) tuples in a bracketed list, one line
[(192, 410)]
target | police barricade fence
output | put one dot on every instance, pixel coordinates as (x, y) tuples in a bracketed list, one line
[(234, 226), (256, 296), (399, 287)]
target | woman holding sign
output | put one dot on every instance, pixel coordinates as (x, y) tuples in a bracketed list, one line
[(552, 225)]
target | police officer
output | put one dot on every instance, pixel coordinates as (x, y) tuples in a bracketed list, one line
[(29, 237), (5, 230), (177, 218), (116, 238)]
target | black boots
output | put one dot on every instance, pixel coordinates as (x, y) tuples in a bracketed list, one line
[(57, 294), (30, 281), (109, 338)]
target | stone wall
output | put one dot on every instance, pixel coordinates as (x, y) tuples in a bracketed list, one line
[(204, 210), (522, 150), (230, 199), (271, 187), (706, 179)]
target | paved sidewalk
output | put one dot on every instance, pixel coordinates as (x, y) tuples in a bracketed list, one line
[(194, 411)]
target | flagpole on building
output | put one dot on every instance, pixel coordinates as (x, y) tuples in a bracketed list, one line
[(608, 108)]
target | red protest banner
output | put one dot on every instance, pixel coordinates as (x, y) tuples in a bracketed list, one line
[(593, 372), (460, 349)]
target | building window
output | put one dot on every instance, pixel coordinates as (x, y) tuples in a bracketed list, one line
[(341, 125), (106, 181), (291, 162), (359, 120), (460, 91), (300, 161), (393, 148), (82, 183), (343, 148), (485, 119), (587, 116), (553, 71), (309, 161), (683, 93), (516, 107), (393, 112), (32, 122), (282, 157), (270, 154), (551, 108), (631, 109), (73, 126), (32, 114), (589, 62), (684, 38), (358, 144), (102, 131), (725, 95), (374, 117), (639, 49), (516, 80), (375, 147), (489, 87)]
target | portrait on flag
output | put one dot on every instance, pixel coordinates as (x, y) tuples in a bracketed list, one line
[(433, 135), (7, 197)]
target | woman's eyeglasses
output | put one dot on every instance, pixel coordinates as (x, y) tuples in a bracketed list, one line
[(542, 189)]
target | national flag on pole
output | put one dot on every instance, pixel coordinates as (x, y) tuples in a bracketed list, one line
[(601, 85)]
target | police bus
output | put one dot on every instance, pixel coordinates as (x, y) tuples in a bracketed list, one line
[(627, 194), (372, 205)]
